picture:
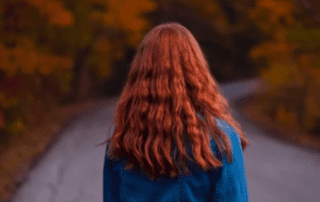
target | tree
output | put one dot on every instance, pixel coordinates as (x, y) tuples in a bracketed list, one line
[(43, 43), (292, 55)]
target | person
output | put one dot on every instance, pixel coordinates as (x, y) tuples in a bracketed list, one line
[(174, 137)]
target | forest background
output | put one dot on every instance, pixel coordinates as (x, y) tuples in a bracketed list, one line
[(57, 52)]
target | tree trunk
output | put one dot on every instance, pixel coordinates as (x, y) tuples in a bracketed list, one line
[(81, 82)]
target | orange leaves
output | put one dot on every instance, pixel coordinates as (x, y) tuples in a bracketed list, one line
[(286, 68), (103, 45), (279, 7), (63, 19), (307, 63), (26, 58), (268, 14), (31, 64), (100, 58), (47, 63), (273, 51), (126, 15), (55, 11), (305, 60)]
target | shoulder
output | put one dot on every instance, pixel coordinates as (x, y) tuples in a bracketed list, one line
[(227, 128), (231, 133)]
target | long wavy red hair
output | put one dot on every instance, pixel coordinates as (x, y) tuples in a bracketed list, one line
[(168, 84)]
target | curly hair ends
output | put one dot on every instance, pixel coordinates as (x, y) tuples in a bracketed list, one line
[(168, 84)]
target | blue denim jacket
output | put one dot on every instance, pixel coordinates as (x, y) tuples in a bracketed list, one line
[(228, 183)]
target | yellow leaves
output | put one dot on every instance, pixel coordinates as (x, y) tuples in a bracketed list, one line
[(276, 18), (22, 56), (100, 59), (55, 11), (272, 50), (47, 63), (126, 14), (283, 74), (28, 59), (18, 58), (307, 38), (16, 127), (276, 75), (286, 69)]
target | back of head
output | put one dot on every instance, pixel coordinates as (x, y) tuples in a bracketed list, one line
[(168, 84)]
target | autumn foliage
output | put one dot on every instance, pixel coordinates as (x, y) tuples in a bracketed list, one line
[(291, 58), (38, 46), (40, 40)]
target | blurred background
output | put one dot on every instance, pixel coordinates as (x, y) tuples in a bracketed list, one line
[(58, 53)]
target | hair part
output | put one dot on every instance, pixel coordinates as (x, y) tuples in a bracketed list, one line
[(168, 84)]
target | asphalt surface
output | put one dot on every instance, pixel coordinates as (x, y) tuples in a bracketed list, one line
[(72, 170)]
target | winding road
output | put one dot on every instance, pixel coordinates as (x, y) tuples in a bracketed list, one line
[(72, 170)]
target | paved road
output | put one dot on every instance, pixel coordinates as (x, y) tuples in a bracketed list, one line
[(72, 169)]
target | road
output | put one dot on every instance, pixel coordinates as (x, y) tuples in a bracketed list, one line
[(72, 170)]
